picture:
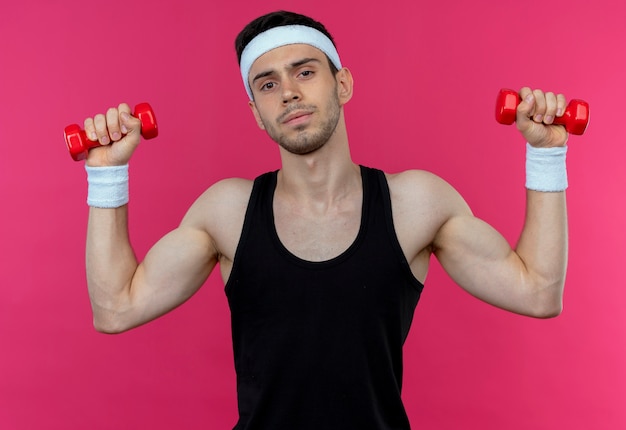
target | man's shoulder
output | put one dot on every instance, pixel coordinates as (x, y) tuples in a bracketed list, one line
[(421, 189), (220, 212), (410, 180), (222, 198), (227, 193), (229, 185)]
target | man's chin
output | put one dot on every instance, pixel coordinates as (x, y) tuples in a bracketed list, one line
[(301, 148)]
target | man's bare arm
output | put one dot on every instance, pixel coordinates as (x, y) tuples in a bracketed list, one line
[(528, 279), (125, 293)]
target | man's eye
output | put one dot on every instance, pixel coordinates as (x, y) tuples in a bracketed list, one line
[(267, 86), (307, 73)]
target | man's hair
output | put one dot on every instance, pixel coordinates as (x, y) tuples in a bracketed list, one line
[(277, 19)]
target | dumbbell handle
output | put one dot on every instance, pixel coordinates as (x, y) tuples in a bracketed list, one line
[(575, 118), (79, 145)]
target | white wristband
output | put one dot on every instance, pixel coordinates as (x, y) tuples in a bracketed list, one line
[(108, 186), (545, 169)]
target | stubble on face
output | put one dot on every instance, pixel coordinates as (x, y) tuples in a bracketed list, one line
[(306, 140)]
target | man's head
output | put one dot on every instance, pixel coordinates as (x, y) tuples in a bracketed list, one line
[(294, 79), (279, 29)]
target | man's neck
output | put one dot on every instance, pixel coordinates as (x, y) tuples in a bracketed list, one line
[(322, 177)]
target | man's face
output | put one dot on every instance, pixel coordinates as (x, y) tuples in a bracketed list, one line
[(296, 99)]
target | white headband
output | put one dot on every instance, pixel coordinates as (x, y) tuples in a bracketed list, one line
[(281, 36)]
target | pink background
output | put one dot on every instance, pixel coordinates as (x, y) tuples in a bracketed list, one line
[(426, 78)]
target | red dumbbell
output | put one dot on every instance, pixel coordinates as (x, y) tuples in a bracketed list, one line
[(78, 144), (575, 118)]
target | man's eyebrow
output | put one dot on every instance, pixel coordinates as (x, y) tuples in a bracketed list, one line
[(293, 65), (263, 75), (304, 61)]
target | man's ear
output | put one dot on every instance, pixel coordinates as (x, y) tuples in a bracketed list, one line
[(255, 112), (345, 85)]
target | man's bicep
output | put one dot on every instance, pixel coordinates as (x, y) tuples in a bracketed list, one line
[(481, 261), (172, 271), (179, 264)]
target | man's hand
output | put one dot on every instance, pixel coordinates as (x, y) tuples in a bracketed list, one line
[(119, 134), (535, 117)]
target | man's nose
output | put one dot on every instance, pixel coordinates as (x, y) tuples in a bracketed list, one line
[(291, 91)]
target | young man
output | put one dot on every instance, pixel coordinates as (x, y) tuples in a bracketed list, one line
[(324, 259)]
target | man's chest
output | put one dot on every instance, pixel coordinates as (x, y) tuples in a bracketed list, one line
[(317, 236)]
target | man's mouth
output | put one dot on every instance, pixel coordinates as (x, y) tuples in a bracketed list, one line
[(296, 118)]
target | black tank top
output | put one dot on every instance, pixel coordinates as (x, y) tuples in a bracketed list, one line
[(318, 345)]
